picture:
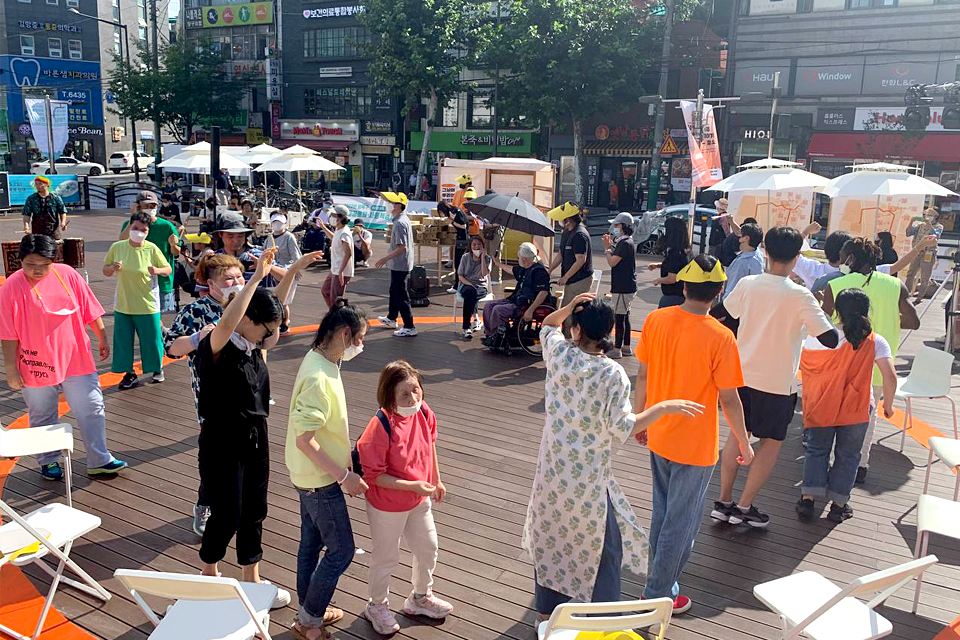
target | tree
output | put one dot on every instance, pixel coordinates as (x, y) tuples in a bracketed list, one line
[(571, 60), (191, 87), (419, 49)]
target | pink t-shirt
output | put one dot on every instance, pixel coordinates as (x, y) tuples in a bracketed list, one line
[(407, 454), (52, 347)]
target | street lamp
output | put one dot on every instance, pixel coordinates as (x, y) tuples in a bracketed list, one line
[(133, 123)]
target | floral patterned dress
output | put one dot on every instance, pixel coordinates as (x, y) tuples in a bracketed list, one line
[(588, 406)]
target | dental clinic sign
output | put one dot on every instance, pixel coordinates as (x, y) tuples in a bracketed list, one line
[(19, 73)]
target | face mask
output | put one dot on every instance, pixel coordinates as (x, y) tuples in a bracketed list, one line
[(351, 352), (226, 292), (845, 269), (406, 412), (277, 226), (138, 236), (476, 253), (242, 343)]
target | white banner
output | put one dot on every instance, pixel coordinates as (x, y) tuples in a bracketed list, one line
[(373, 211), (705, 152), (37, 112)]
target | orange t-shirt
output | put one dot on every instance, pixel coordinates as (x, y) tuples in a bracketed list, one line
[(688, 357)]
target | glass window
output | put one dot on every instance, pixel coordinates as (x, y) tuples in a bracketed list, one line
[(55, 47), (53, 1), (480, 109), (339, 42), (871, 4), (338, 102), (450, 113), (116, 10), (26, 46), (76, 50), (73, 3), (142, 33), (745, 7), (117, 45), (804, 6), (24, 1)]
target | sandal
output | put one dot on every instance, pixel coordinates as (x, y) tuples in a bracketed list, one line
[(332, 615), (300, 631)]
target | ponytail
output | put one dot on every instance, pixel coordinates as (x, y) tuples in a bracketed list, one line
[(595, 319), (853, 307), (341, 314)]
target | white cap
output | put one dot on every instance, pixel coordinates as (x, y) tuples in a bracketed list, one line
[(278, 216)]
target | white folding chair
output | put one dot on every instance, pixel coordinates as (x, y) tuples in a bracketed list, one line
[(597, 277), (929, 378), (568, 620), (205, 608), (937, 515), (458, 302), (55, 526), (948, 450), (810, 605)]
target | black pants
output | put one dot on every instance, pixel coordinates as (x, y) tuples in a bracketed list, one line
[(458, 251), (470, 295), (621, 330), (400, 298), (234, 473)]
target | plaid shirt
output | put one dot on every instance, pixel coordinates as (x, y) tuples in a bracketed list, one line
[(191, 319)]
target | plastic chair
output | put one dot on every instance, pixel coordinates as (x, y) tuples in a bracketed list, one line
[(937, 515), (206, 608), (597, 277), (568, 620), (458, 302), (810, 605), (929, 378), (53, 528), (948, 450)]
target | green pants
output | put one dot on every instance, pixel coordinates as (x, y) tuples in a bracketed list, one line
[(147, 328)]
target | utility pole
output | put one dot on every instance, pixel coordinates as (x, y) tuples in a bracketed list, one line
[(49, 114), (496, 90), (773, 113), (156, 69), (653, 182)]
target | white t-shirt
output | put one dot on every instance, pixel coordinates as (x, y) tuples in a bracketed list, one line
[(367, 237), (809, 270), (341, 246), (884, 268), (775, 316)]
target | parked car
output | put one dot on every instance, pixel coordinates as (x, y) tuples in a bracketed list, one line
[(67, 164), (648, 226), (123, 161)]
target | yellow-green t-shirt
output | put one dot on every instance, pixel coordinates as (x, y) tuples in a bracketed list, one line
[(138, 293), (318, 405)]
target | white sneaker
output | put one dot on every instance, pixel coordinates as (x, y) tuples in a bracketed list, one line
[(282, 599), (942, 338), (452, 290), (405, 333), (381, 618), (468, 334), (387, 322), (477, 325)]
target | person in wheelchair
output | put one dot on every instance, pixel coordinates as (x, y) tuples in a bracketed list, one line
[(533, 290)]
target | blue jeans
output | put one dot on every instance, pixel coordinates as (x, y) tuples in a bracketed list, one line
[(324, 522), (607, 586), (85, 398), (821, 480), (678, 494)]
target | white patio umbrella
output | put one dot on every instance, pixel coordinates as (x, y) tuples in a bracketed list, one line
[(198, 161), (259, 154), (298, 158), (881, 179), (769, 175)]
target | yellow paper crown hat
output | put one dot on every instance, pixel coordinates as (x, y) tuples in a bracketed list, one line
[(464, 179), (564, 211), (693, 272)]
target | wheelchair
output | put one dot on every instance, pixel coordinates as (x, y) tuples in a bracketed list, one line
[(523, 335)]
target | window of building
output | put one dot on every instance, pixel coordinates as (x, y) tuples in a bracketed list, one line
[(338, 102), (26, 46), (871, 4), (76, 49), (73, 3), (480, 109), (244, 47), (450, 113), (142, 33), (53, 1), (55, 47), (744, 7), (339, 42), (804, 6), (142, 10), (24, 1), (948, 1), (116, 10), (117, 45)]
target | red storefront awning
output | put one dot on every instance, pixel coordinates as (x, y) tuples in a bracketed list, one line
[(318, 145), (942, 147)]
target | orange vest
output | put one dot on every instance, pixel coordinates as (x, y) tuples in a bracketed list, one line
[(836, 384)]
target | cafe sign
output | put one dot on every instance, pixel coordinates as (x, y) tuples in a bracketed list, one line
[(339, 130)]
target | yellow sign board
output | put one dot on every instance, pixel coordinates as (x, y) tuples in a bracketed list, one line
[(238, 15), (255, 136), (669, 147)]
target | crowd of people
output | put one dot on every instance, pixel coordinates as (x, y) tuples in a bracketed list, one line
[(711, 344)]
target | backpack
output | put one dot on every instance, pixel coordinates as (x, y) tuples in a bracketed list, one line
[(418, 286), (385, 423)]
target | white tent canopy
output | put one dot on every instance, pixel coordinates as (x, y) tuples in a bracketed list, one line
[(769, 175), (198, 161), (882, 179), (259, 154)]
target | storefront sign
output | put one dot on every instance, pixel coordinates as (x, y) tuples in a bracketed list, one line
[(462, 141), (891, 119), (896, 76), (255, 119), (193, 18), (620, 132), (253, 68), (758, 75), (755, 134), (335, 72), (372, 126), (255, 136), (33, 25), (835, 119), (275, 119), (64, 76), (345, 130), (116, 133), (375, 150), (65, 186), (332, 12), (86, 131), (827, 76), (238, 15), (472, 140), (274, 86), (385, 141)]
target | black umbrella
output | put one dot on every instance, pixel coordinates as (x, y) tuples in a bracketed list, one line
[(511, 212)]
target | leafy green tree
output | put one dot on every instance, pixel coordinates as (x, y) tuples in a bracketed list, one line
[(570, 61), (191, 87), (419, 50)]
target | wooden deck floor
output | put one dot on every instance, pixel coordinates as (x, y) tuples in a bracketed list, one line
[(491, 415)]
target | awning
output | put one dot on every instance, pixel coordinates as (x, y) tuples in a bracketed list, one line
[(942, 147), (318, 145), (624, 149)]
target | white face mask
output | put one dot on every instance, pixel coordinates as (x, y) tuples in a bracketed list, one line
[(476, 253), (277, 226), (242, 343), (406, 412), (138, 236), (351, 352), (845, 269), (226, 292)]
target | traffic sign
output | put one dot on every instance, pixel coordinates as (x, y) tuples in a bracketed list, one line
[(669, 147)]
